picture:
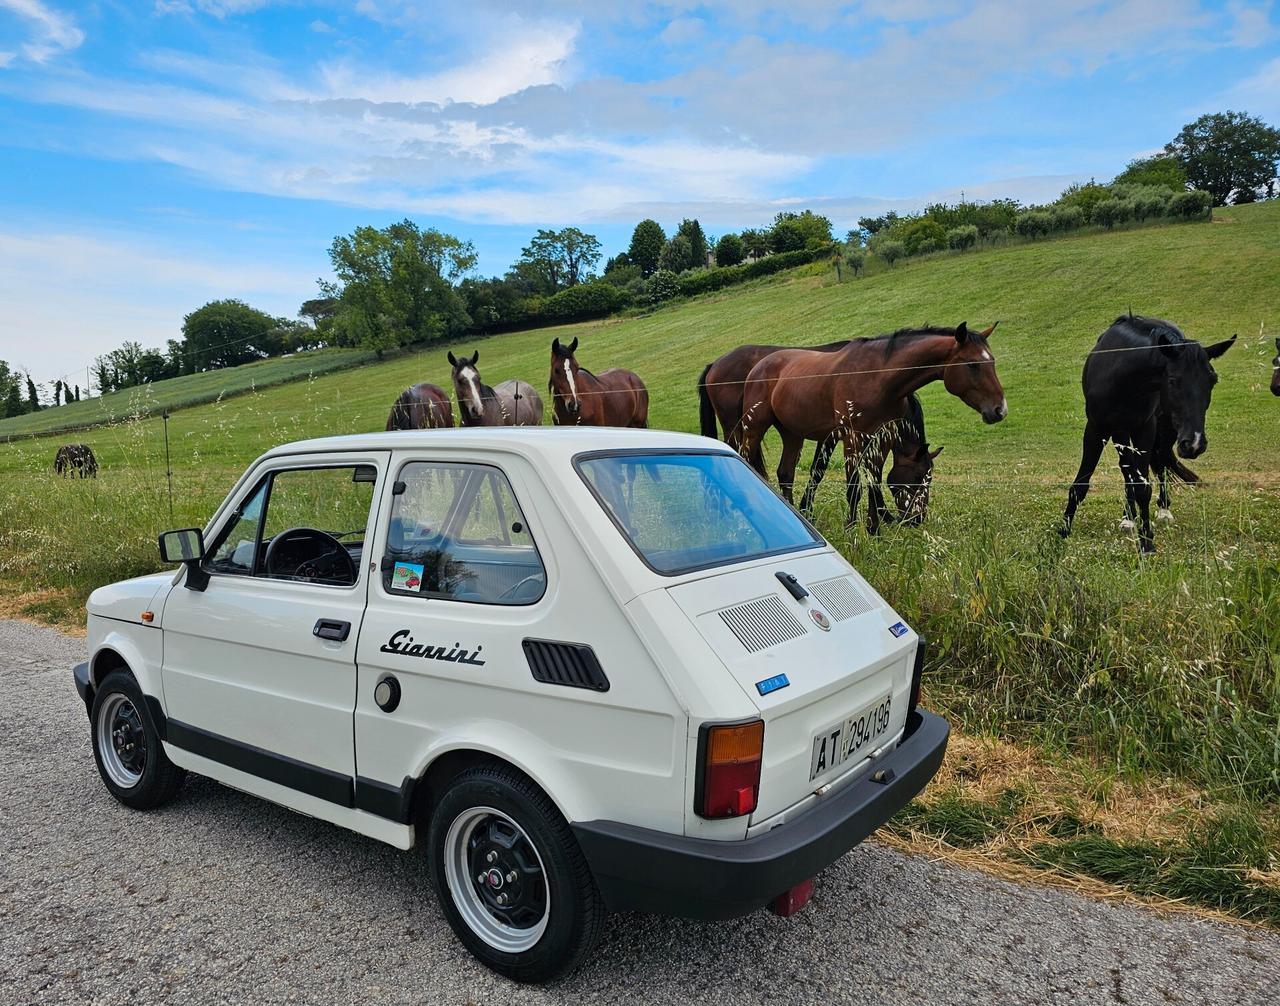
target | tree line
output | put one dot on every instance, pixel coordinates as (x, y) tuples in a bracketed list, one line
[(405, 284)]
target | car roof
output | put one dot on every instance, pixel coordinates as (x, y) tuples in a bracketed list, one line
[(536, 442)]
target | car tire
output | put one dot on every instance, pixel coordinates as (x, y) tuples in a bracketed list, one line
[(511, 879), (127, 748)]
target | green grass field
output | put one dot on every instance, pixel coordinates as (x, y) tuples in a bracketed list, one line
[(181, 392), (1128, 669)]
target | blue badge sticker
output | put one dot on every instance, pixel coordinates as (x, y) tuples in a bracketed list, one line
[(899, 629), (772, 684)]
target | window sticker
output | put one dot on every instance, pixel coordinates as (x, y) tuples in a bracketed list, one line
[(407, 576)]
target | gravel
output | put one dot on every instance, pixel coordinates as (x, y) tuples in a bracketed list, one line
[(220, 897)]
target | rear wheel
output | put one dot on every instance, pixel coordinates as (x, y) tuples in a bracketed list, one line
[(512, 881), (127, 748)]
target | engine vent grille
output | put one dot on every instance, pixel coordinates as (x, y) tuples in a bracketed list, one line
[(571, 664), (841, 597), (761, 623)]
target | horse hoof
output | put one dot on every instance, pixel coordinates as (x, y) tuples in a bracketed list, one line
[(1064, 532), (1127, 525), (1146, 547), (1164, 513)]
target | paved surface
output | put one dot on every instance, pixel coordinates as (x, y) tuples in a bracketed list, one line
[(220, 897)]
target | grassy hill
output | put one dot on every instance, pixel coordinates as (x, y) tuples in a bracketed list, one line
[(180, 392), (1134, 674)]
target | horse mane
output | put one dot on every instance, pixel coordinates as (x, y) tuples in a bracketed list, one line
[(1149, 328), (890, 340)]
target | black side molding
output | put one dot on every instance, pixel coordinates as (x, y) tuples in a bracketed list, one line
[(395, 803), (311, 779), (574, 665)]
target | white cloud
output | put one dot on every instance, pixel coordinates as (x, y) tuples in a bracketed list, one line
[(70, 297), (1258, 94), (52, 32), (217, 8)]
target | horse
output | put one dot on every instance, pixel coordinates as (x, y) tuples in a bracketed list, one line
[(847, 394), (421, 407), (1146, 388), (1275, 371), (511, 403), (76, 460), (720, 390), (614, 397)]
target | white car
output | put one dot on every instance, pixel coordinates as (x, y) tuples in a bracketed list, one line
[(588, 669)]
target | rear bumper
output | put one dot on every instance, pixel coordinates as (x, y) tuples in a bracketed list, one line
[(650, 871)]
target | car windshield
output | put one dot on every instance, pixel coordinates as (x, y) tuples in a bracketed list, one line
[(688, 511)]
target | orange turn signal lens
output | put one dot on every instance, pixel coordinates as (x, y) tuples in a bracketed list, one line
[(148, 616), (732, 745), (729, 773)]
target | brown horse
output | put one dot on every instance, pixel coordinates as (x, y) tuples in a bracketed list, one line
[(614, 397), (720, 390), (511, 403), (1275, 371), (850, 393), (421, 407)]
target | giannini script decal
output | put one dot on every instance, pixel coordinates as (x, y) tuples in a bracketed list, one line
[(401, 642)]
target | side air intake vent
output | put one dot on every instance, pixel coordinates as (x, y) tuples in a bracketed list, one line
[(761, 623), (841, 597), (571, 664)]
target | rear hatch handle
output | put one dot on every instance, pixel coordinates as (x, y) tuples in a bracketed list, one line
[(794, 587)]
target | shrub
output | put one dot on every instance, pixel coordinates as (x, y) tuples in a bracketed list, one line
[(663, 285), (891, 251), (622, 275), (1086, 197), (1112, 211), (917, 232), (706, 280), (855, 258), (1068, 218), (1033, 224), (1150, 203), (1194, 205), (729, 250), (928, 245), (586, 300), (962, 237)]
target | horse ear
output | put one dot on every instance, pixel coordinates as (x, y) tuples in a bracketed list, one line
[(1165, 345), (986, 332), (1278, 344), (934, 454), (573, 346), (474, 357), (962, 332), (453, 360), (1218, 348), (555, 345)]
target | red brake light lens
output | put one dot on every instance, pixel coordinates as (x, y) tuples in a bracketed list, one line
[(730, 780)]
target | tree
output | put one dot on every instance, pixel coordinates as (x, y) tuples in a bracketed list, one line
[(319, 311), (677, 255), (692, 230), (57, 393), (729, 250), (1163, 170), (33, 398), (796, 231), (755, 243), (1110, 212), (855, 257), (222, 333), (961, 238), (874, 225), (916, 233), (1230, 155), (556, 260), (647, 241), (891, 251), (77, 398), (396, 285), (13, 402), (102, 375)]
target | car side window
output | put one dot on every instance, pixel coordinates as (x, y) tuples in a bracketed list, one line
[(300, 524), (457, 532)]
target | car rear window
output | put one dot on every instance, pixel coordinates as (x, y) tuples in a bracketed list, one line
[(687, 511)]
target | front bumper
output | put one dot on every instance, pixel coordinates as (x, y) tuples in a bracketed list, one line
[(83, 685), (638, 869)]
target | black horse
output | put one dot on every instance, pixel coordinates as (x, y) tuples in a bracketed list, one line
[(1275, 371), (1147, 388)]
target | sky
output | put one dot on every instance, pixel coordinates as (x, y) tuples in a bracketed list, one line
[(156, 154)]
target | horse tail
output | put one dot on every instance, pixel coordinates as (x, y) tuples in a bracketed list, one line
[(914, 420), (706, 410), (1176, 468)]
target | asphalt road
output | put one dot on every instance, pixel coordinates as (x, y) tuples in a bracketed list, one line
[(220, 897)]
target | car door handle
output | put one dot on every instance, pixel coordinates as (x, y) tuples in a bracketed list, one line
[(331, 628)]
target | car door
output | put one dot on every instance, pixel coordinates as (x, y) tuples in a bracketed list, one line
[(259, 668)]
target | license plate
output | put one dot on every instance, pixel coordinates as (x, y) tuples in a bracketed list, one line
[(850, 739)]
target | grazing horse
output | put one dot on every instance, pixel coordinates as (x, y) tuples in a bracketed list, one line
[(77, 460), (1275, 371), (511, 403), (1146, 387), (848, 394), (421, 407), (614, 397), (720, 390)]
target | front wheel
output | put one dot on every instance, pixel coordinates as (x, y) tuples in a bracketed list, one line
[(127, 747), (511, 879)]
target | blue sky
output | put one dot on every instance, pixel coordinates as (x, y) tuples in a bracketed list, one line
[(159, 153)]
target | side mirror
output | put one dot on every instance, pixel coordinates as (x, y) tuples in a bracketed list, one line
[(187, 547)]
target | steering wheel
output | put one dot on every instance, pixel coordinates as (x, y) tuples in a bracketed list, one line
[(510, 591), (327, 562)]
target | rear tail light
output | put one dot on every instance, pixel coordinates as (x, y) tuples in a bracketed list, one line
[(917, 672), (729, 769)]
